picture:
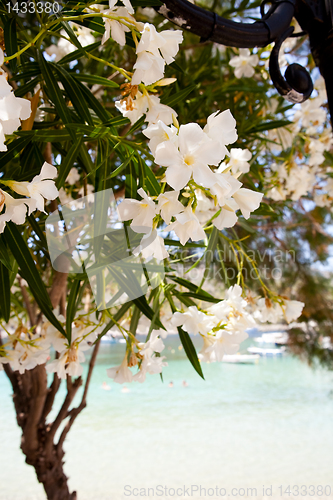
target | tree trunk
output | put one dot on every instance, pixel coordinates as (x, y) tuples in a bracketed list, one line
[(31, 404)]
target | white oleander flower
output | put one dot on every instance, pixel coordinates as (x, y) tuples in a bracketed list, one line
[(169, 205), (187, 226), (193, 321), (224, 342), (115, 28), (247, 200), (167, 42), (239, 160), (149, 68), (121, 373), (159, 133), (244, 63), (141, 212), (41, 187), (221, 127), (194, 153), (15, 209), (73, 176), (292, 309), (152, 245), (267, 311), (133, 109), (12, 110)]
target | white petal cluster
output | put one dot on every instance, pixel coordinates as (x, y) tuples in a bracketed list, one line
[(70, 356), (12, 109), (41, 188), (222, 326), (244, 64), (24, 350), (116, 28), (268, 311), (147, 358), (145, 104), (154, 51)]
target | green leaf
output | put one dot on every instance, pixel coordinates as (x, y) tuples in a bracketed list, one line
[(46, 135), (4, 292), (152, 185), (68, 162), (4, 255), (178, 96), (76, 54), (72, 307), (95, 79), (190, 351), (10, 37), (54, 91), (73, 90), (13, 149), (28, 271), (261, 127), (121, 167)]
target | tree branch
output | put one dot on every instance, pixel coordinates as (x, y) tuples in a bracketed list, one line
[(75, 411)]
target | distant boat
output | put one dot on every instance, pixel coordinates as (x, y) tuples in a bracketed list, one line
[(267, 352), (241, 358), (278, 338)]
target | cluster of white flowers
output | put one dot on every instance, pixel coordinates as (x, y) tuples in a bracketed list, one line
[(12, 108), (222, 326), (39, 189), (24, 349), (267, 311), (304, 173), (188, 152), (147, 359)]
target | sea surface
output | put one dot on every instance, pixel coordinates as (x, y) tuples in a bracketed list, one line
[(245, 431)]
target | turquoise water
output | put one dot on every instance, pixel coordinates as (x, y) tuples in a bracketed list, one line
[(245, 426)]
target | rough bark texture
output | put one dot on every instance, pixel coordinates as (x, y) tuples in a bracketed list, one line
[(32, 400)]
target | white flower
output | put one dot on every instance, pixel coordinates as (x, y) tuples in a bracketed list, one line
[(40, 188), (159, 133), (15, 209), (193, 321), (167, 42), (292, 309), (239, 160), (12, 110), (221, 127), (169, 206), (142, 212), (226, 342), (244, 63), (195, 152), (154, 344), (187, 226), (224, 187), (115, 28), (226, 218), (149, 68), (152, 245), (121, 373), (73, 176), (158, 111), (247, 200), (267, 311), (133, 109)]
